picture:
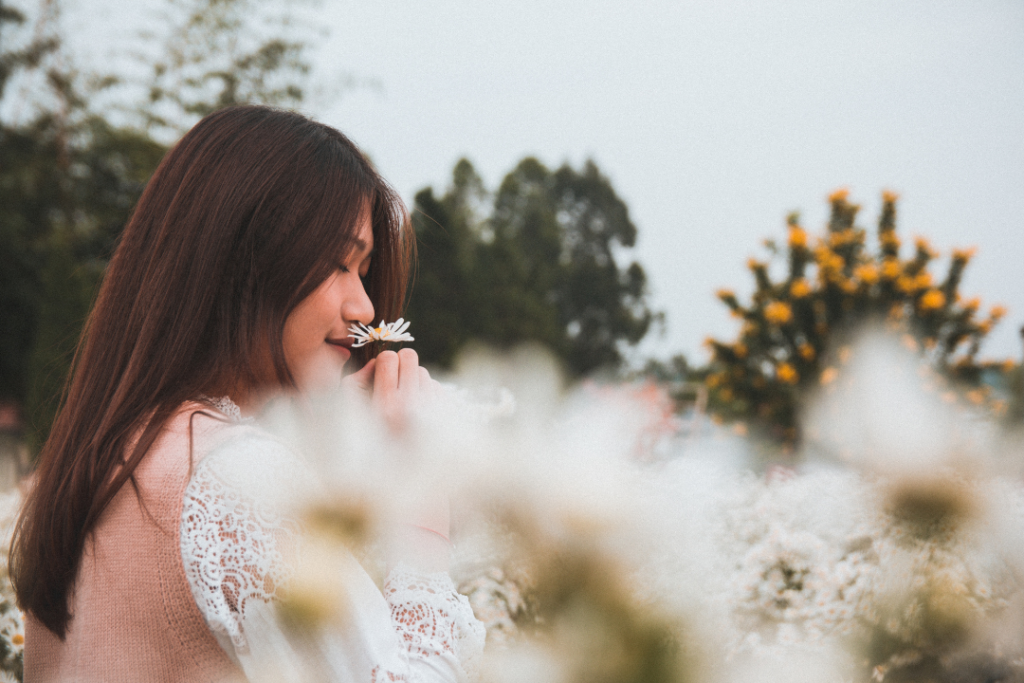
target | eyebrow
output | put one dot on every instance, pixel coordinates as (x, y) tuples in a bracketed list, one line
[(362, 246)]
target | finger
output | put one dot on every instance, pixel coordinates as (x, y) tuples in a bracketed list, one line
[(385, 377), (362, 378), (408, 371)]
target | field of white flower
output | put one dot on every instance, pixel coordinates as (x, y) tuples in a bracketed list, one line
[(894, 552), (12, 624)]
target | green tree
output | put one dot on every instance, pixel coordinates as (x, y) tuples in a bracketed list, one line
[(537, 261), (218, 53), (794, 328), (69, 176)]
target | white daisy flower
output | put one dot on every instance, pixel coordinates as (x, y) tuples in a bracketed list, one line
[(386, 332)]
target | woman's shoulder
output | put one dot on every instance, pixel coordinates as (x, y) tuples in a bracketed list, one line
[(242, 456), (215, 426)]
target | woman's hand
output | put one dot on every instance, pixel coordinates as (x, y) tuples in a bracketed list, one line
[(400, 383), (397, 384), (395, 381)]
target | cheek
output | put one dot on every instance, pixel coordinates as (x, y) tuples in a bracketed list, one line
[(302, 333), (308, 326)]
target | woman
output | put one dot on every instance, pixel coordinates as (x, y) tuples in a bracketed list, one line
[(141, 554)]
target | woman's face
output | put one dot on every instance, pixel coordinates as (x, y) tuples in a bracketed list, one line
[(316, 337)]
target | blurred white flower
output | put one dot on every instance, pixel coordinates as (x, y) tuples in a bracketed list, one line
[(576, 554), (385, 332)]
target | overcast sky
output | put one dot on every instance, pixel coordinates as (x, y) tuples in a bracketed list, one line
[(713, 119)]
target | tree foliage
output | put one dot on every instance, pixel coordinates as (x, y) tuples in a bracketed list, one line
[(795, 327), (218, 54), (70, 175), (536, 261)]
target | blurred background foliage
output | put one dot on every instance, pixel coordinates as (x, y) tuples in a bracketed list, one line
[(537, 260), (546, 257), (72, 167)]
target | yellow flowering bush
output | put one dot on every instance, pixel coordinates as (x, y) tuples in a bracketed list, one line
[(833, 284)]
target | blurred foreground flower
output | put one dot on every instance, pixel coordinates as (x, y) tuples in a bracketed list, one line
[(894, 555)]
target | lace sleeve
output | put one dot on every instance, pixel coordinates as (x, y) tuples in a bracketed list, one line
[(232, 551), (433, 620), (236, 535)]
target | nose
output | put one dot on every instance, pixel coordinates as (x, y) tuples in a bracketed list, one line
[(357, 306)]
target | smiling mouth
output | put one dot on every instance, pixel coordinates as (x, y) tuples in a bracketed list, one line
[(342, 343)]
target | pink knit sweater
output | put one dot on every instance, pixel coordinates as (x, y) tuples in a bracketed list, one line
[(133, 615)]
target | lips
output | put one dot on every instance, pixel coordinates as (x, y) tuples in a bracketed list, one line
[(342, 345)]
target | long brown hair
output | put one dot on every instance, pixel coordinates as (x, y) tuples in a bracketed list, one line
[(242, 220)]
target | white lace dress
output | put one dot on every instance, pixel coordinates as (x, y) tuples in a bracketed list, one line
[(233, 537)]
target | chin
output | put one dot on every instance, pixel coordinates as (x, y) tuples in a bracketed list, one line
[(320, 376)]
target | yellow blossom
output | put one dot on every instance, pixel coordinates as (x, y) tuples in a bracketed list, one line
[(867, 273), (889, 239), (778, 313), (997, 312), (787, 373), (799, 289), (838, 239), (18, 639), (828, 375), (740, 349), (907, 284), (973, 303), (925, 246), (964, 254), (985, 326), (827, 259), (839, 195), (724, 293), (797, 237), (725, 394), (891, 269), (889, 197), (932, 300), (923, 280), (806, 352), (713, 380)]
